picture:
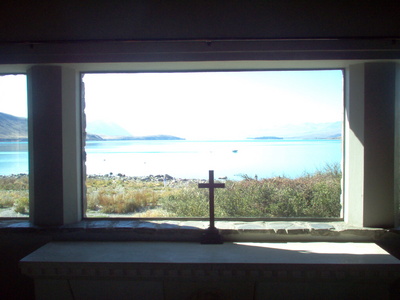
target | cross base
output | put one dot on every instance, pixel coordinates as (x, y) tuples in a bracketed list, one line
[(211, 236)]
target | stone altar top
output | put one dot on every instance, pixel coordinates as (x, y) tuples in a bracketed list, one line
[(193, 253), (170, 271)]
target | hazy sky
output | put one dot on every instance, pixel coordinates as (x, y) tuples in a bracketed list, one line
[(13, 98), (214, 105), (202, 105)]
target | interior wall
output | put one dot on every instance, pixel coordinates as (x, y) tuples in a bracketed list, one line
[(121, 31), (13, 247), (49, 20), (27, 24)]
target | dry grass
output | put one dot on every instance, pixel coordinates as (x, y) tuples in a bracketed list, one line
[(120, 196), (312, 195), (153, 213)]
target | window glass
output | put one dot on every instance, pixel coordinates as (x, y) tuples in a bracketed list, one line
[(14, 191), (273, 137)]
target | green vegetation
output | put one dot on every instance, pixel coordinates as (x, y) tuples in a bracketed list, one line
[(312, 195), (14, 192)]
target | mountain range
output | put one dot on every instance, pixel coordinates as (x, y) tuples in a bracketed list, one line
[(329, 130), (16, 128), (102, 130), (13, 128)]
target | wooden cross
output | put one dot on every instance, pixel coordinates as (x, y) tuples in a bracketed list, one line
[(211, 236)]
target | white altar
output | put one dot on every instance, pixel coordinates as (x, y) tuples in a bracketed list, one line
[(167, 270)]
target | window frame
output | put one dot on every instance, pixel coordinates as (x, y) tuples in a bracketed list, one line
[(199, 69), (27, 120), (357, 72)]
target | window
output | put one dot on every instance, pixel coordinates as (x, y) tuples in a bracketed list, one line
[(369, 148), (273, 137), (14, 191)]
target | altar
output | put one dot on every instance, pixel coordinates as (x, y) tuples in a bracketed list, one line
[(170, 270)]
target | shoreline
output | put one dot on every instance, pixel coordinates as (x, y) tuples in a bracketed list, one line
[(166, 179)]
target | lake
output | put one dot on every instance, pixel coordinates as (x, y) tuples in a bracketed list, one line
[(193, 159), (13, 158)]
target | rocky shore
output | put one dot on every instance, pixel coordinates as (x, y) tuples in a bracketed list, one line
[(166, 179), (20, 175)]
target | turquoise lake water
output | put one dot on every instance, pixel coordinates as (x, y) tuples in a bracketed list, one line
[(193, 159), (13, 158)]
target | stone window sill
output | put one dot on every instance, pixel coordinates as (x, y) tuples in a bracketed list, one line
[(191, 230)]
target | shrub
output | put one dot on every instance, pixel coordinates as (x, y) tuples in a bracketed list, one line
[(186, 201), (14, 192), (21, 205), (7, 198), (311, 195), (14, 182)]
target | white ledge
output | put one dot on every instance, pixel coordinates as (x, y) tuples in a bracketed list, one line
[(191, 260)]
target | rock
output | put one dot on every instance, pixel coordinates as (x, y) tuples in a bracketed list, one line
[(168, 177)]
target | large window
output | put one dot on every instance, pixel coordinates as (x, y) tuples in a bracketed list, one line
[(56, 196), (273, 137), (14, 194)]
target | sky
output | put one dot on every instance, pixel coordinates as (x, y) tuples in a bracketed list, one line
[(201, 105), (214, 105), (13, 95)]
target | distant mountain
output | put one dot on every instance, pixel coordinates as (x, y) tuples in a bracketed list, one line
[(329, 130), (13, 128), (152, 137), (106, 128), (99, 130), (266, 138), (93, 137), (319, 130), (96, 137), (16, 128)]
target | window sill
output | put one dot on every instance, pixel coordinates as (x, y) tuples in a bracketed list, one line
[(191, 230)]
